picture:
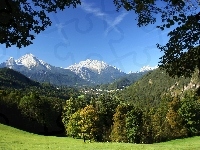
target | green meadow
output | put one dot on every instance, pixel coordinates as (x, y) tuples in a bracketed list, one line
[(14, 139)]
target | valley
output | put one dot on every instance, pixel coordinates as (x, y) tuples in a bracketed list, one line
[(131, 75), (154, 108)]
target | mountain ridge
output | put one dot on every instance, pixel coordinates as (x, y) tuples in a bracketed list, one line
[(84, 73), (91, 70)]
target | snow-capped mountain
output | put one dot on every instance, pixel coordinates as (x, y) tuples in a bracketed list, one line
[(96, 71), (41, 71), (85, 72), (94, 65), (147, 68), (30, 61)]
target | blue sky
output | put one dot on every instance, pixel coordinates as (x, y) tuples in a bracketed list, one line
[(94, 30)]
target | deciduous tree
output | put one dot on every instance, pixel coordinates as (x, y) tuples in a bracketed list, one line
[(190, 112), (182, 51), (74, 126), (134, 125), (20, 20), (89, 122)]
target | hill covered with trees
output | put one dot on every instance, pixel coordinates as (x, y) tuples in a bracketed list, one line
[(29, 105), (155, 108), (122, 82), (12, 79)]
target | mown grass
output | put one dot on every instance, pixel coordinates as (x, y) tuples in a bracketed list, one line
[(11, 138)]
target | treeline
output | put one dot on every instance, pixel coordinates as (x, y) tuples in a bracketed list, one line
[(11, 80), (106, 118), (31, 112)]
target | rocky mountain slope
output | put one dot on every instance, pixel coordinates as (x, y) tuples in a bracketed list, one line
[(40, 71), (96, 71), (88, 72)]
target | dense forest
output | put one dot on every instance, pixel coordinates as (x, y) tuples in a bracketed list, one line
[(31, 106), (155, 108)]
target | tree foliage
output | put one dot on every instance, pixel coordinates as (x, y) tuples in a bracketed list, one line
[(190, 112), (20, 20), (32, 107), (74, 126), (181, 52), (119, 126), (133, 125), (89, 121), (174, 120)]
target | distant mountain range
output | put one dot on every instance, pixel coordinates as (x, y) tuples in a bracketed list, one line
[(38, 70), (147, 68), (96, 71), (88, 72)]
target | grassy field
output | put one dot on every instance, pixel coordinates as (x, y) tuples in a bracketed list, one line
[(11, 138)]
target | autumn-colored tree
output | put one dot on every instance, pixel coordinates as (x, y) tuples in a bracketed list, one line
[(74, 126), (177, 129), (119, 133), (160, 126), (146, 133), (89, 122)]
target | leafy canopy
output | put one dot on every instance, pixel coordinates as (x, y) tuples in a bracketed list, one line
[(21, 19), (181, 52)]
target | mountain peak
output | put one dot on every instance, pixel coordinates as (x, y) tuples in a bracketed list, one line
[(147, 68), (96, 71), (28, 60), (94, 65), (10, 63), (28, 56), (11, 59), (32, 62), (88, 71)]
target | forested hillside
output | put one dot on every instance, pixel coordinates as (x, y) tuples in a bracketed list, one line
[(12, 79), (155, 108), (31, 106), (149, 89), (124, 81)]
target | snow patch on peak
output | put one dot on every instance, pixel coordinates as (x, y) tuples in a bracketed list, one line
[(147, 68), (10, 63), (96, 71), (32, 62), (93, 65), (11, 59), (28, 60)]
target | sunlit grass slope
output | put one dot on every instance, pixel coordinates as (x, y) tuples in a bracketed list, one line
[(11, 138)]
